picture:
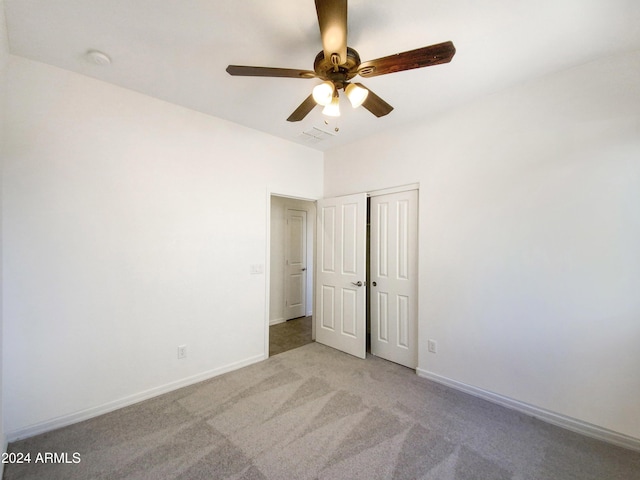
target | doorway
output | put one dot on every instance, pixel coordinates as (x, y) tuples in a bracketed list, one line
[(291, 273)]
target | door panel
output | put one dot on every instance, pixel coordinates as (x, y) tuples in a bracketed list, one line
[(341, 293), (394, 277), (328, 307), (382, 316), (349, 312), (349, 239)]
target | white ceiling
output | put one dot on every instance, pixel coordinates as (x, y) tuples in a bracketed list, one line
[(178, 51)]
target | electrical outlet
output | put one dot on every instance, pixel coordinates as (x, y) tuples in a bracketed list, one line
[(182, 351), (432, 346)]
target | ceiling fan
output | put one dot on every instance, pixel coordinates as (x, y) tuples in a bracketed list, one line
[(337, 64)]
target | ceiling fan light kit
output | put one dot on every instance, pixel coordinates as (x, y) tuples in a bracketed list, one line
[(333, 108), (337, 64), (356, 95), (323, 93)]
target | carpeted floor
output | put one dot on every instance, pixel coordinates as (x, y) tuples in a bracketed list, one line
[(315, 413)]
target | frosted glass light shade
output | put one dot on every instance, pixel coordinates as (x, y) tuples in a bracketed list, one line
[(333, 109), (356, 95), (323, 93)]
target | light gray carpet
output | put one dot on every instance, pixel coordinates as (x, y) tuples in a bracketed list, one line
[(315, 413)]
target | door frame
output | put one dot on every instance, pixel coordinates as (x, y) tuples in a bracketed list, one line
[(267, 267)]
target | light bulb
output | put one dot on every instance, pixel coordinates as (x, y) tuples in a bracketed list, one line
[(333, 108), (323, 93), (356, 95)]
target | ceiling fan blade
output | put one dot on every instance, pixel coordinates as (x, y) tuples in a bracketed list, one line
[(246, 71), (303, 110), (332, 19), (418, 58), (375, 104)]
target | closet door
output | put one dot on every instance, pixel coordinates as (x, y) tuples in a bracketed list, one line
[(340, 308), (394, 277)]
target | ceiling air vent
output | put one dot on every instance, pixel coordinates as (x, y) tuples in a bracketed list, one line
[(315, 135)]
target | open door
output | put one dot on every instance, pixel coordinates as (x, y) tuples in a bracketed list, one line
[(341, 261)]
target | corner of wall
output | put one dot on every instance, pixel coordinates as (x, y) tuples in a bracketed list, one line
[(4, 57)]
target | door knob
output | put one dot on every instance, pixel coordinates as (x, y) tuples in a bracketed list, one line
[(303, 269), (358, 284), (374, 284)]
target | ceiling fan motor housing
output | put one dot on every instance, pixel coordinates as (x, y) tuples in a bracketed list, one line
[(338, 74)]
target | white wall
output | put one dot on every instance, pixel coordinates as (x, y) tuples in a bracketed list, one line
[(279, 205), (4, 60), (529, 235), (129, 226)]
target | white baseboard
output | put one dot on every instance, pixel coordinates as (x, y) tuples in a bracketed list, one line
[(276, 321), (548, 416), (82, 415)]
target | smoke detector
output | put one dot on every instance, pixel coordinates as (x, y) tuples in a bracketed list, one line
[(97, 57)]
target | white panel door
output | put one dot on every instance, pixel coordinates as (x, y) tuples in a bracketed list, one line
[(394, 277), (341, 292), (295, 269)]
